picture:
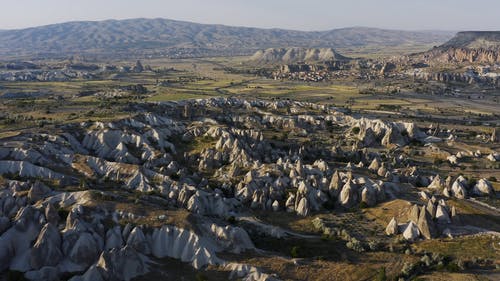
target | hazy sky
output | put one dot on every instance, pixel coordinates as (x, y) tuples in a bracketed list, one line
[(290, 14)]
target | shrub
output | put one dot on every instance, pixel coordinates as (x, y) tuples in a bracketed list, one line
[(373, 245), (407, 269), (452, 267), (201, 277), (295, 252), (426, 260), (355, 245), (356, 130), (381, 276)]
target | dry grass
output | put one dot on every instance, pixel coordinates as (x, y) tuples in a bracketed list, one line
[(384, 212), (9, 134), (445, 276), (363, 268), (465, 248), (287, 221), (180, 218)]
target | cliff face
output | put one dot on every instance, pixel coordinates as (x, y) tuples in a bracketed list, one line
[(463, 55), (468, 47), (469, 78), (489, 40)]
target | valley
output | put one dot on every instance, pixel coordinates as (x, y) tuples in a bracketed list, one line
[(271, 161)]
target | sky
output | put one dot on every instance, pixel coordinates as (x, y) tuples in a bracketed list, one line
[(289, 14)]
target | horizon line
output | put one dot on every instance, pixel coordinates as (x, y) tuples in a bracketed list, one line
[(229, 25)]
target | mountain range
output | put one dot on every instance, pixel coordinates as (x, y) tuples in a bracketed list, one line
[(164, 37)]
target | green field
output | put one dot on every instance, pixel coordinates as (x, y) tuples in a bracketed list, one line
[(180, 79)]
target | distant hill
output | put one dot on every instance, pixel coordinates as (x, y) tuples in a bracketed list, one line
[(177, 38), (291, 55)]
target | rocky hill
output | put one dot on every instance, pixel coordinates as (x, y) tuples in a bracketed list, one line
[(177, 39), (468, 47), (489, 40), (291, 55)]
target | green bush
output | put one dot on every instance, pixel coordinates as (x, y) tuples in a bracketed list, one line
[(452, 267), (381, 276), (295, 252), (355, 245), (201, 277), (373, 245)]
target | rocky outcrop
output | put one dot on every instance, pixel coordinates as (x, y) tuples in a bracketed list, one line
[(411, 231), (291, 55), (442, 215), (247, 272), (348, 195), (26, 169), (182, 178), (483, 188), (137, 240), (15, 243), (392, 227), (459, 188), (181, 244), (463, 55), (437, 183), (80, 248), (370, 132), (468, 47), (118, 264), (414, 213), (47, 248), (38, 191), (426, 224)]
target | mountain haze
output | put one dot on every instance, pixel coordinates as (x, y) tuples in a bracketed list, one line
[(170, 37)]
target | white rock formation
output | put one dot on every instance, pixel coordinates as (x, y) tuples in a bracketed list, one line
[(411, 232), (392, 227), (437, 183), (483, 188)]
